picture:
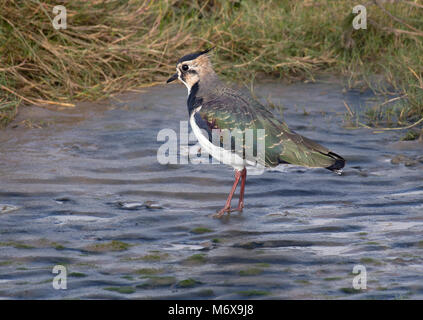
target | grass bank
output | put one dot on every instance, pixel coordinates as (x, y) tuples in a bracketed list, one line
[(115, 45)]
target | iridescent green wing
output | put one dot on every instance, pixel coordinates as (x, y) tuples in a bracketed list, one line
[(231, 110), (237, 112)]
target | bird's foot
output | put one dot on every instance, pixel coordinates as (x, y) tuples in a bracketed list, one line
[(228, 210), (222, 212)]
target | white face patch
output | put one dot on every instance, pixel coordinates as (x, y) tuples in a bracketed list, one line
[(186, 84), (189, 78)]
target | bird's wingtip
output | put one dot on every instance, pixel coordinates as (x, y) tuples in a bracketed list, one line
[(339, 164)]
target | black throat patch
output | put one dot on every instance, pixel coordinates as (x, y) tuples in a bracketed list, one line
[(194, 101)]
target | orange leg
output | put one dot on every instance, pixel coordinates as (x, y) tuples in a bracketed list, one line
[(227, 207), (241, 194)]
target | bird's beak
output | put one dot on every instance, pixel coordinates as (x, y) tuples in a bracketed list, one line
[(172, 78)]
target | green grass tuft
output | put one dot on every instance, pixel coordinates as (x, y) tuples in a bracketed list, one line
[(156, 281), (77, 275), (370, 261), (350, 290), (195, 259), (201, 230), (205, 293), (252, 293), (188, 283), (123, 290), (109, 246), (251, 272), (155, 256), (114, 46)]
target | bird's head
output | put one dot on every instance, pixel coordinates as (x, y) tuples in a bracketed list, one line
[(192, 68)]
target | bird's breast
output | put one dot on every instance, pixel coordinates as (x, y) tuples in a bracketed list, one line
[(219, 153)]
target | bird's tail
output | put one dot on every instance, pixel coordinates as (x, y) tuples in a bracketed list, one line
[(302, 151)]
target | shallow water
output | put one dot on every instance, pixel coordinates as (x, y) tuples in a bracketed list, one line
[(87, 192)]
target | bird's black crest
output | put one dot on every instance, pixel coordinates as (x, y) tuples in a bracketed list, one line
[(194, 55)]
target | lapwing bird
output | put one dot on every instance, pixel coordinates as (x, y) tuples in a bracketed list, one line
[(214, 106)]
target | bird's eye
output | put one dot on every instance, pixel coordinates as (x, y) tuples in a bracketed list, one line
[(185, 67)]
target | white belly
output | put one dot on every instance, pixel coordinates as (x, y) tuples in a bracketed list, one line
[(220, 154)]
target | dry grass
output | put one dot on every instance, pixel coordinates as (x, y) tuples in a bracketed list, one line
[(115, 45)]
